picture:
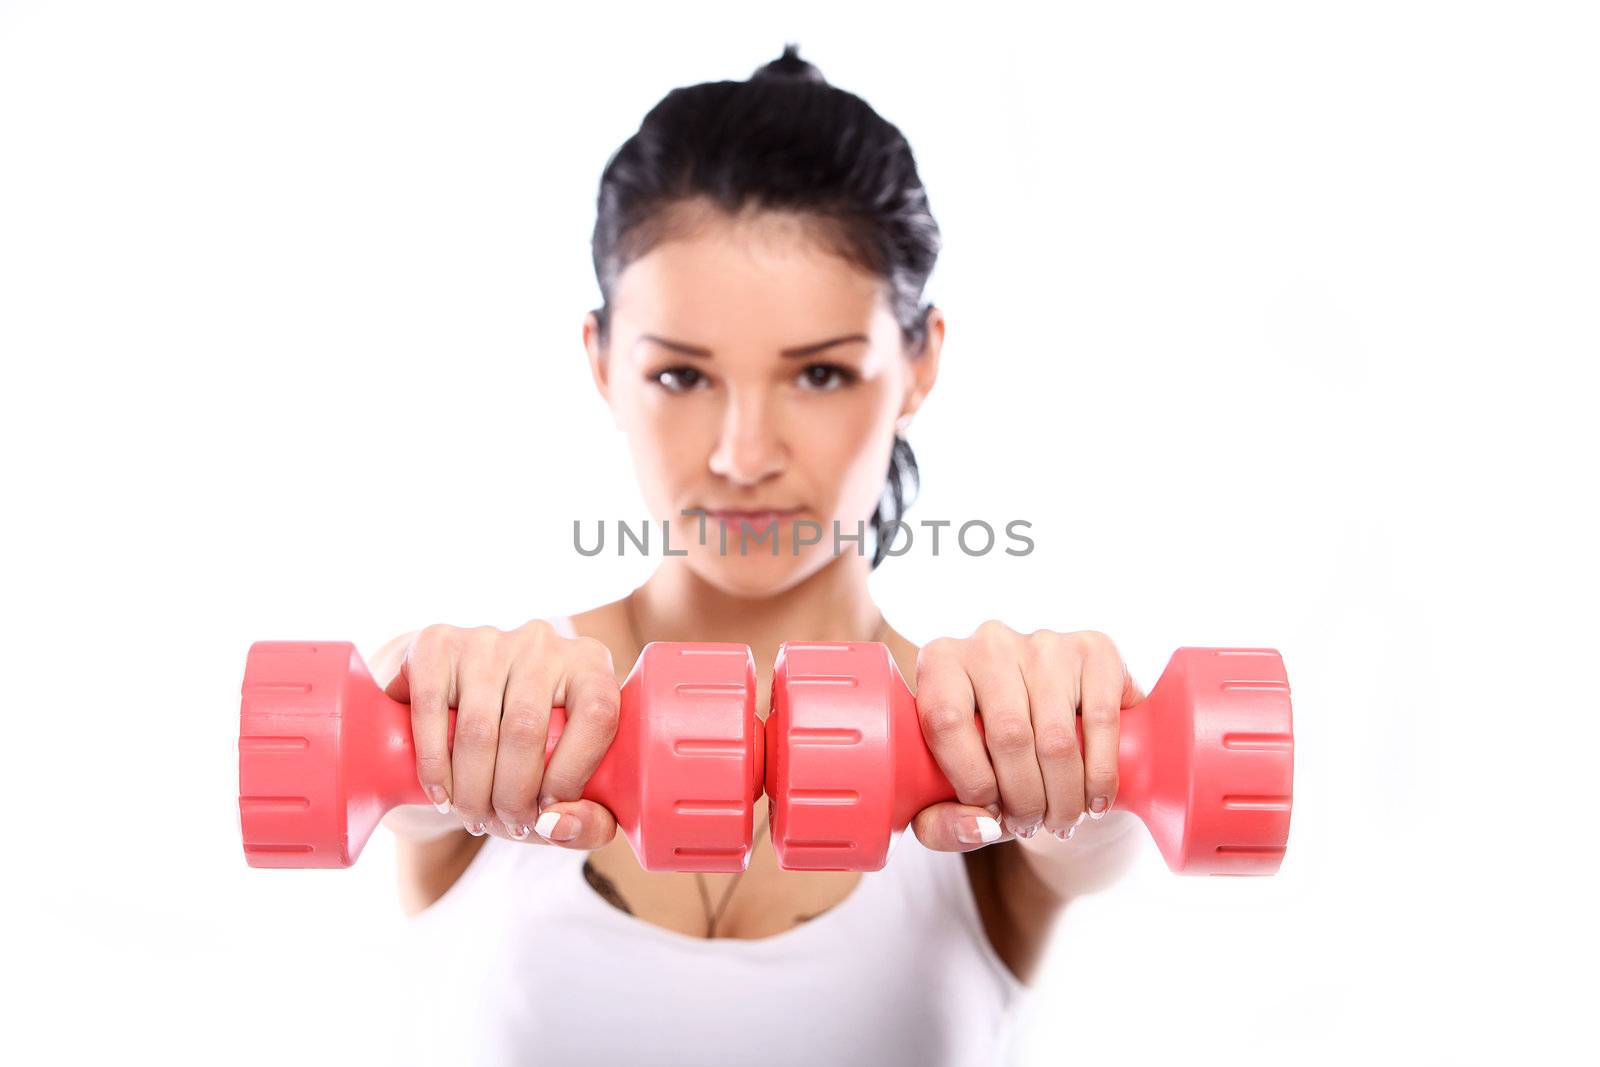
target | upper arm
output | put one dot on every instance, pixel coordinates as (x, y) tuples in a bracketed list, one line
[(427, 869), (1030, 890), (1017, 908)]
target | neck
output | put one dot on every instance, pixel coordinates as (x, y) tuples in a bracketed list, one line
[(834, 604)]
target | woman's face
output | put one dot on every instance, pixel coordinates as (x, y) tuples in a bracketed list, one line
[(752, 370)]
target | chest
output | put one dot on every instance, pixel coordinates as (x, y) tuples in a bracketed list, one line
[(761, 902)]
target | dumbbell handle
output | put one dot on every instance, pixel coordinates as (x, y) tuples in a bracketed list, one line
[(928, 779), (926, 783), (401, 744), (395, 755)]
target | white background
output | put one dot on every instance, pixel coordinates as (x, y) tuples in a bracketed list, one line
[(1278, 321)]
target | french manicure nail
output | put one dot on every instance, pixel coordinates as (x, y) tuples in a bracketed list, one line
[(439, 798), (977, 830), (476, 828), (1097, 807), (1028, 831), (994, 809), (518, 830), (547, 827)]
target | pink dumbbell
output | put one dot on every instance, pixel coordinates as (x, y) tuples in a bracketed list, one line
[(323, 754), (1207, 761)]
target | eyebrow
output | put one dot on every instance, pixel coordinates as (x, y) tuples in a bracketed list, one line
[(788, 353)]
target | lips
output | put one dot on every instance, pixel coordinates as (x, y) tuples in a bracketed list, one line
[(754, 518)]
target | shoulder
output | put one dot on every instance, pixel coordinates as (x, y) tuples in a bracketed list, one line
[(600, 622), (606, 623)]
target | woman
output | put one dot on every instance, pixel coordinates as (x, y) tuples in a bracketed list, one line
[(761, 250)]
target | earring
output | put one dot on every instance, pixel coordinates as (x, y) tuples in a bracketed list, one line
[(902, 425)]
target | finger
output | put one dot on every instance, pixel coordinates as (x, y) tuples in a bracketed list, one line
[(947, 710), (1103, 680), (579, 824), (524, 730), (481, 680), (1002, 698), (1051, 674), (426, 682), (591, 701), (953, 827)]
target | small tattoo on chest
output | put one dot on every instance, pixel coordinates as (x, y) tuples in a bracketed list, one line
[(605, 887)]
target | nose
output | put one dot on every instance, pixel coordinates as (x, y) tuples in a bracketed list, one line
[(749, 449)]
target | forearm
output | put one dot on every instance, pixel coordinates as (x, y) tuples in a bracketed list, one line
[(1100, 853)]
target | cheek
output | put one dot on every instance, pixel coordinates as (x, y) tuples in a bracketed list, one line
[(849, 450), (669, 444)]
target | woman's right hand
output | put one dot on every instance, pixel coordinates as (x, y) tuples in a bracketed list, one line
[(503, 685)]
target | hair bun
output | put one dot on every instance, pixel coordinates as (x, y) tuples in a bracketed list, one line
[(790, 65)]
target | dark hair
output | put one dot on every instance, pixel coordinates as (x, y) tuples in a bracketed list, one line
[(782, 140)]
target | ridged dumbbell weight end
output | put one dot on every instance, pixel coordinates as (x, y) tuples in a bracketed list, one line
[(1207, 761), (841, 715), (684, 769), (294, 808)]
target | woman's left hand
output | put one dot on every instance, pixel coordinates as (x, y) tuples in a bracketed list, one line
[(1025, 766)]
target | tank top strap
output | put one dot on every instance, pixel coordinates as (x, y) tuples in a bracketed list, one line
[(563, 625)]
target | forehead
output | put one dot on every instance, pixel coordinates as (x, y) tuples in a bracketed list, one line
[(767, 275)]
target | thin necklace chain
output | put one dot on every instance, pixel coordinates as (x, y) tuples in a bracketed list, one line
[(712, 918)]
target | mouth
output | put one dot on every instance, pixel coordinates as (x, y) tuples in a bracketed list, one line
[(755, 519)]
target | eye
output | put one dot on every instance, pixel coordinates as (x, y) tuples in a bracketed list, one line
[(677, 379), (827, 377)]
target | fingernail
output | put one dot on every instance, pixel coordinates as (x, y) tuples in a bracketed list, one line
[(545, 801), (1082, 815), (518, 830), (1097, 807), (1066, 835), (441, 799), (1029, 830), (994, 809), (476, 828), (546, 827), (977, 830)]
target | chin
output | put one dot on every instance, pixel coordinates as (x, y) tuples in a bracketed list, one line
[(757, 576)]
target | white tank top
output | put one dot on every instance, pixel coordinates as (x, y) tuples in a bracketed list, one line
[(522, 962)]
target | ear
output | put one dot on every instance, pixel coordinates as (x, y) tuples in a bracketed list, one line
[(924, 369), (599, 364), (597, 357)]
